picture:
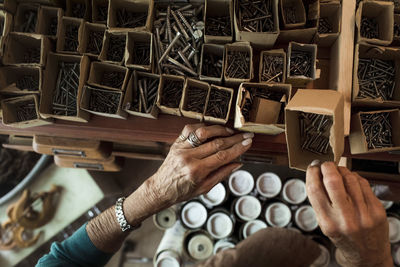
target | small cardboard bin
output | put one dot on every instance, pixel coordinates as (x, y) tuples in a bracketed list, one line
[(101, 75), (91, 43), (192, 84), (302, 80), (164, 81), (293, 14), (329, 26), (20, 80), (26, 18), (81, 9), (100, 11), (6, 19), (218, 51), (218, 93), (69, 35), (49, 19), (114, 48), (143, 40), (218, 9), (271, 77), (133, 9), (238, 47)]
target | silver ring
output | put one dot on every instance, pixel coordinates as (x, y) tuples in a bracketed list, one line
[(182, 137), (194, 140)]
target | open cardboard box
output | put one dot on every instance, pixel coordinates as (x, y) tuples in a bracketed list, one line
[(330, 11), (47, 16), (396, 38), (239, 47), (135, 6), (106, 42), (300, 13), (9, 75), (325, 102), (70, 8), (20, 19), (63, 23), (139, 37), (275, 53), (9, 6), (217, 50), (302, 80), (216, 9), (358, 142), (97, 70), (192, 83), (88, 28), (50, 82), (165, 78), (209, 118), (250, 126), (99, 6), (7, 20)]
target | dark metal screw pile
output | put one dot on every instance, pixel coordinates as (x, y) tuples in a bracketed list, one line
[(130, 19), (300, 63), (53, 26), (324, 26), (272, 69), (95, 42), (212, 65), (238, 65), (396, 30), (71, 37), (377, 129), (141, 53), (376, 78), (104, 101), (315, 132), (171, 93), (78, 10), (219, 26), (25, 110), (145, 96), (102, 13), (247, 106), (65, 95), (28, 82), (218, 103), (256, 16), (116, 48), (369, 28), (290, 15), (196, 99), (1, 26), (113, 79), (30, 20), (32, 55)]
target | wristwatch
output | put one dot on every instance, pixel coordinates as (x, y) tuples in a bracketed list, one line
[(119, 213)]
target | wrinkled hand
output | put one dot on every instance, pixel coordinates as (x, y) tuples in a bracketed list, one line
[(350, 215), (188, 172)]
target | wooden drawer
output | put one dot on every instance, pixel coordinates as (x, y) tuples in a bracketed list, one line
[(112, 164), (73, 148)]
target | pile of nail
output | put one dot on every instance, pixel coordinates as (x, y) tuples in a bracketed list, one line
[(171, 93), (130, 19), (376, 78), (272, 68), (141, 53), (219, 26), (78, 10), (113, 79), (28, 82), (256, 16), (32, 55), (95, 42), (71, 37), (396, 30), (218, 103), (290, 15), (300, 63), (178, 31), (1, 26), (30, 20), (104, 101), (211, 65), (238, 65), (52, 30), (377, 129), (116, 48), (145, 94), (315, 132), (196, 99), (25, 110), (324, 26), (369, 28), (102, 12)]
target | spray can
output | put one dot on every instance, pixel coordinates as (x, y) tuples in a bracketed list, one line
[(268, 185), (165, 219), (241, 183), (306, 219), (220, 224), (294, 191), (277, 214), (193, 215), (215, 197)]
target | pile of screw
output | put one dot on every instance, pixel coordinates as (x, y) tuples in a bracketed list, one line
[(212, 65), (272, 68), (113, 79), (1, 26), (53, 26), (324, 26), (32, 55), (102, 13), (130, 19), (238, 65), (71, 40), (30, 20), (300, 63), (219, 26), (141, 53), (28, 82), (396, 30), (178, 30), (104, 101), (95, 42), (116, 48), (78, 10), (256, 16), (369, 28), (145, 95), (315, 132), (377, 129), (171, 93), (196, 99), (25, 110), (376, 78), (290, 15), (218, 103), (65, 95)]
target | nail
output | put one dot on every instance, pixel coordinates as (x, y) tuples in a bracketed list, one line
[(229, 130), (237, 168), (248, 135), (315, 163), (247, 142)]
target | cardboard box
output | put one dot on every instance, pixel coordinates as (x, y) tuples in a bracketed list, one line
[(253, 126), (382, 12), (208, 113), (299, 12), (217, 51), (134, 38), (10, 117), (274, 53), (325, 102), (135, 6), (9, 6), (189, 85), (396, 38), (383, 53), (133, 94), (218, 9), (49, 19), (81, 9), (358, 141), (257, 39), (100, 11), (61, 34), (239, 47), (164, 80), (105, 53), (332, 13), (6, 19), (88, 44), (20, 45), (10, 75), (51, 74), (26, 12), (98, 71), (302, 80), (88, 94)]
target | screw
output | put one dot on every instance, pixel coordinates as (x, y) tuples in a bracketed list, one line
[(116, 47), (113, 79), (300, 63), (272, 68), (71, 39), (171, 93), (315, 132), (324, 26), (95, 42), (218, 103), (238, 65), (369, 28)]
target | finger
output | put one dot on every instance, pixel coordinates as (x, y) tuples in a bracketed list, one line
[(369, 196), (219, 144), (353, 188), (187, 130), (316, 192), (218, 176), (208, 132), (334, 185)]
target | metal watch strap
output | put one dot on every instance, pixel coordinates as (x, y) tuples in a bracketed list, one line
[(119, 213)]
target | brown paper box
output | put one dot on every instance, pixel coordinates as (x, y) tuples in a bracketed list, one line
[(18, 43), (276, 52), (70, 7), (11, 74), (300, 13), (104, 51), (97, 70), (272, 129), (302, 80), (9, 6), (183, 106), (95, 11), (141, 37), (265, 111), (384, 53), (258, 39), (396, 39), (383, 13), (164, 80), (213, 49), (7, 19), (137, 6), (241, 47), (332, 12), (131, 90), (358, 142), (46, 14), (50, 81), (61, 33), (326, 102), (9, 115), (87, 29), (84, 104), (19, 18), (214, 9), (218, 120)]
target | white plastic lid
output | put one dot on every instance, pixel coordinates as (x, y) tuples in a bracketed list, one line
[(386, 204), (323, 259), (194, 215), (396, 254), (269, 184), (253, 227), (222, 245), (165, 219), (219, 225), (200, 247), (278, 215), (215, 196), (306, 218), (241, 183), (248, 208), (340, 259), (294, 191), (168, 259), (394, 229)]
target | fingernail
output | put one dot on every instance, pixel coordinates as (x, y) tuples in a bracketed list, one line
[(248, 135), (247, 142), (229, 130), (237, 168), (315, 163)]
